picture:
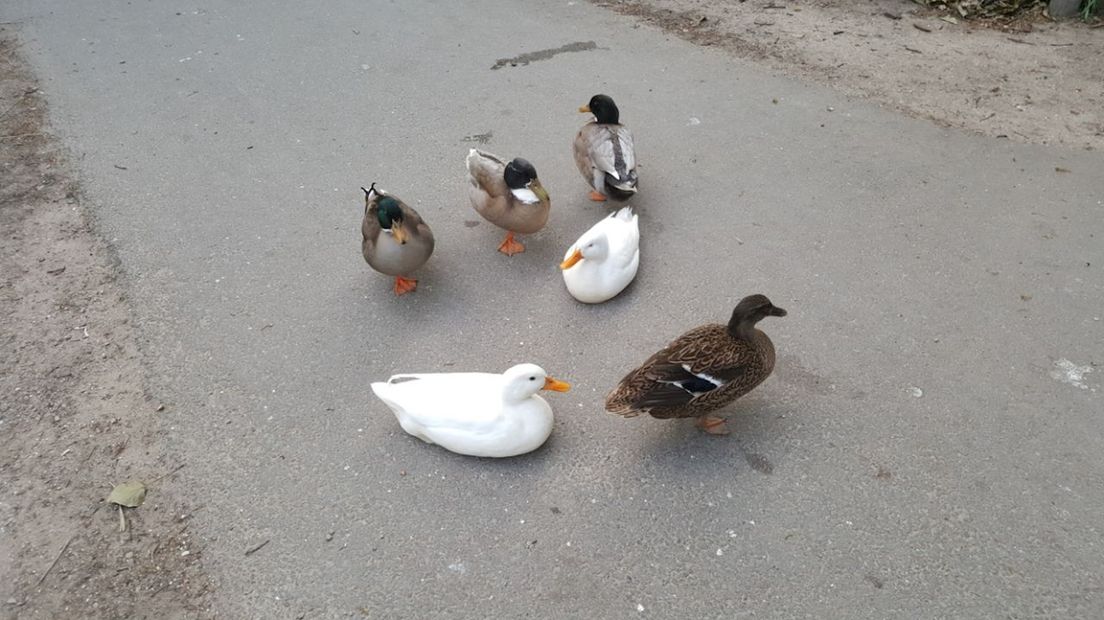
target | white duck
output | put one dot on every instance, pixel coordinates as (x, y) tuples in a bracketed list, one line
[(474, 413), (604, 260)]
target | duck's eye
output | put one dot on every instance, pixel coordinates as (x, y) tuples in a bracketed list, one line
[(532, 378)]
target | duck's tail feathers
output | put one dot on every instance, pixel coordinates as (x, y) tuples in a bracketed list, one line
[(621, 189), (625, 214), (618, 404)]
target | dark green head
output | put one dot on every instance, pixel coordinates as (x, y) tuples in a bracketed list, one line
[(603, 108), (388, 212)]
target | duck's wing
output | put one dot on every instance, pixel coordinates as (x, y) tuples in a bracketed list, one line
[(369, 229), (611, 149), (463, 401), (624, 228), (486, 171), (420, 234), (697, 363)]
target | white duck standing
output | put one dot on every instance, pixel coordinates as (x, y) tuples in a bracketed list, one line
[(474, 413), (605, 258)]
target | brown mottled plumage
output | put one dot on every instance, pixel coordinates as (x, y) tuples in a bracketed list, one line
[(702, 370)]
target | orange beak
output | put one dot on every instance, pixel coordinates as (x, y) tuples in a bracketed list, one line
[(570, 261), (555, 386), (584, 109), (398, 233)]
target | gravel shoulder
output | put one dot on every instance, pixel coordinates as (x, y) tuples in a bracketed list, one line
[(75, 419), (1032, 80)]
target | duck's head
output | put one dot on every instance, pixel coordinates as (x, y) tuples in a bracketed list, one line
[(390, 217), (603, 108), (525, 380), (751, 310), (521, 178), (593, 247)]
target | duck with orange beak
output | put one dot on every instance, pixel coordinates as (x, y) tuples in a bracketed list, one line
[(605, 258), (474, 413), (396, 241), (508, 195), (604, 152)]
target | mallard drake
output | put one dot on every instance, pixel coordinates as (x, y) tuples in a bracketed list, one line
[(474, 413), (604, 260), (508, 195), (702, 370), (396, 240), (604, 152)]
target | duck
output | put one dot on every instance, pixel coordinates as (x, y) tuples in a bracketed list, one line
[(605, 258), (508, 195), (396, 241), (702, 370), (604, 152), (474, 413)]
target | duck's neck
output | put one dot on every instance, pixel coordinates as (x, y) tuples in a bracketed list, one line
[(742, 330)]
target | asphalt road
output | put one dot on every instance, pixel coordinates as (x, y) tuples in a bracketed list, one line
[(924, 449)]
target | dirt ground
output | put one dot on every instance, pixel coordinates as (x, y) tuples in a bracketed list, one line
[(74, 418), (1032, 80)]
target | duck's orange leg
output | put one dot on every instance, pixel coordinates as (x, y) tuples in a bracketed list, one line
[(714, 425), (509, 246), (404, 285), (597, 196)]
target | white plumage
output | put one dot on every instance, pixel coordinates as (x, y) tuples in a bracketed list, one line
[(604, 260), (474, 413)]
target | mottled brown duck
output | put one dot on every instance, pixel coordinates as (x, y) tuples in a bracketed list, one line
[(702, 370)]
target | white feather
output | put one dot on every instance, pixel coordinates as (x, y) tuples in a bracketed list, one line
[(525, 195), (701, 375)]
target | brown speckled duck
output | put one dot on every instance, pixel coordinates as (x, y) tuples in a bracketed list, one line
[(604, 152), (702, 370), (396, 240)]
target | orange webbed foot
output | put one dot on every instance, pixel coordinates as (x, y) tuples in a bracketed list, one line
[(405, 285), (510, 247), (597, 196), (714, 425)]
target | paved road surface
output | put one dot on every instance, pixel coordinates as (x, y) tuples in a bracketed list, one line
[(919, 453)]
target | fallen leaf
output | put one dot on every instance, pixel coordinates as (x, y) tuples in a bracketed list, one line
[(130, 494), (1061, 169)]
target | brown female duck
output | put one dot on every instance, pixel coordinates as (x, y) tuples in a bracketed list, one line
[(702, 370)]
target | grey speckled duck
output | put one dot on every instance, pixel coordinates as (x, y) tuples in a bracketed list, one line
[(396, 240), (702, 370), (604, 152)]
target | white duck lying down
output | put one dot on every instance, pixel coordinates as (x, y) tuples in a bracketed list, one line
[(604, 260), (474, 413)]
